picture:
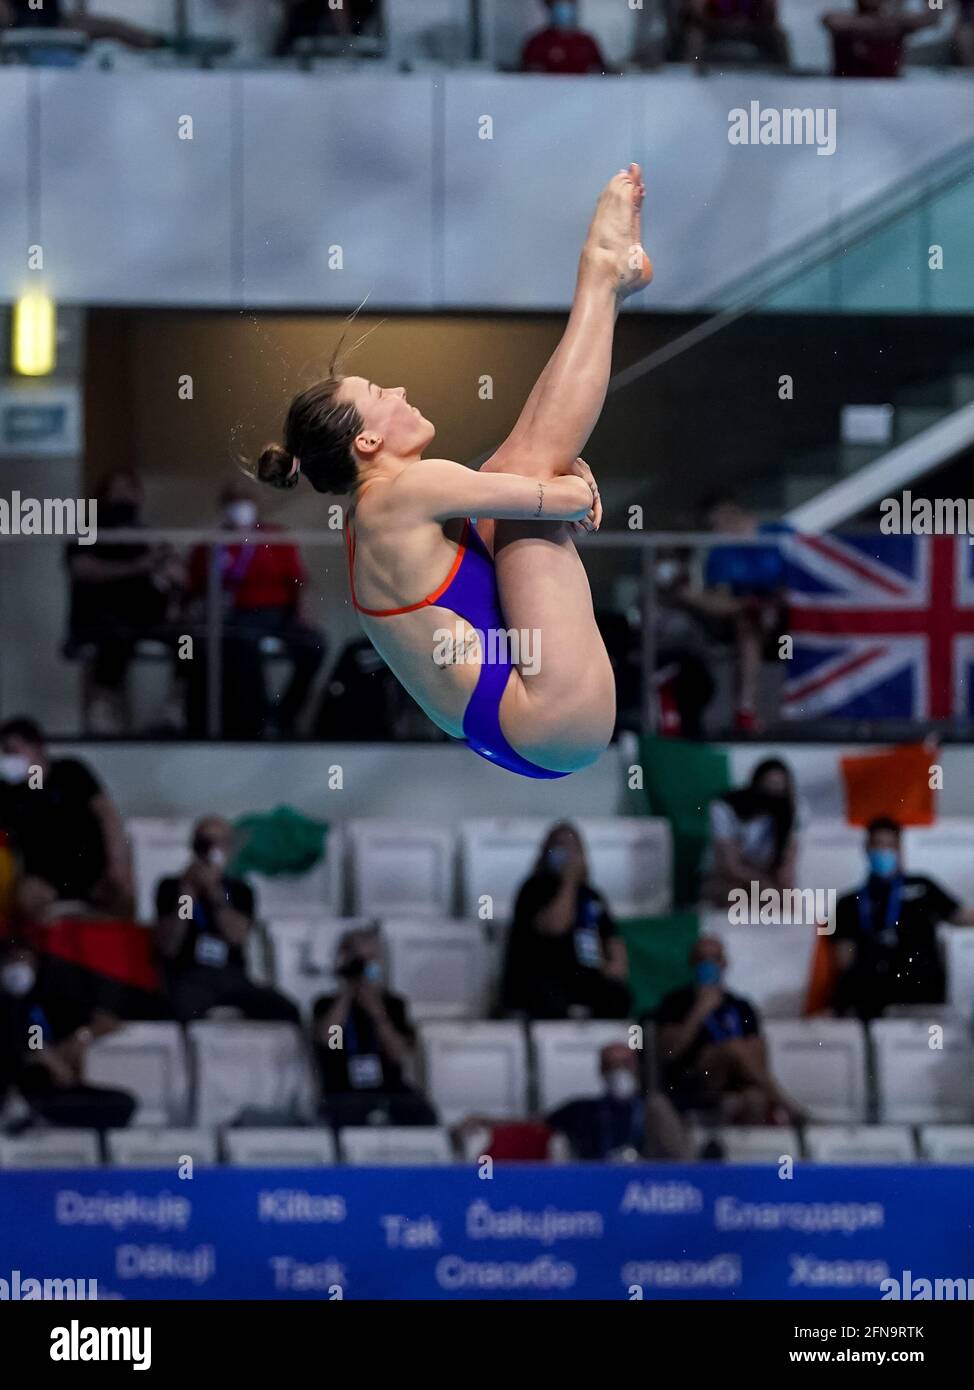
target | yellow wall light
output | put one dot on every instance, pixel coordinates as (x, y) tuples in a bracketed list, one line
[(34, 345)]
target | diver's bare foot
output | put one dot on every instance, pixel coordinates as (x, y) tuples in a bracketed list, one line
[(613, 247)]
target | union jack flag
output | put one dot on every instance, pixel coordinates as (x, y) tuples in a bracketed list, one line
[(883, 627)]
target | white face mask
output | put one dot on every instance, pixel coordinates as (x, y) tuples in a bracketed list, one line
[(217, 858), (241, 514), (18, 978), (621, 1083), (666, 572), (14, 767)]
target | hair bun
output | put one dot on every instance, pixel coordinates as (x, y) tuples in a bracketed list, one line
[(274, 466)]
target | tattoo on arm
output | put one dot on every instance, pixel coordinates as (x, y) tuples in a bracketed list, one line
[(540, 499)]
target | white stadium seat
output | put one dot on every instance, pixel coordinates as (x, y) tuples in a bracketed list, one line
[(944, 852), (760, 1143), (630, 861), (958, 948), (821, 1063), (768, 965), (51, 1148), (149, 1060), (248, 1065), (160, 848), (321, 889), (567, 1059), (279, 1148), (947, 1143), (918, 1083), (475, 1069), (409, 1145), (859, 1144), (401, 868), (442, 968), (303, 956), (830, 855), (160, 1148)]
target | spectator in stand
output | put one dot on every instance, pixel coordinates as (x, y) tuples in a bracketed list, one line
[(745, 586), (562, 47), (885, 938), (306, 19), (120, 593), (711, 1048), (752, 835), (203, 919), (743, 21), (43, 1040), (869, 42), (363, 1040), (26, 14), (64, 828), (565, 957), (262, 591), (625, 1122), (963, 37)]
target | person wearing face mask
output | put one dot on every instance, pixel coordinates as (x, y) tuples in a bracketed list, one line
[(624, 1122), (203, 918), (43, 1040), (262, 592), (565, 957), (121, 593), (752, 835), (711, 1049), (363, 1039), (885, 940), (562, 47), (64, 828)]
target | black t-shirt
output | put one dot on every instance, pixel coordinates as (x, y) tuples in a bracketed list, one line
[(734, 1017), (56, 1014), (55, 830), (359, 1064), (540, 967), (203, 943), (893, 925), (601, 1125)]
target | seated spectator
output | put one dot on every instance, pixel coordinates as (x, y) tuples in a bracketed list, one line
[(869, 42), (363, 1039), (743, 21), (752, 835), (203, 919), (963, 37), (711, 1048), (565, 957), (64, 828), (307, 19), (744, 585), (262, 588), (119, 594), (562, 47), (26, 14), (43, 1039), (885, 938), (625, 1122)]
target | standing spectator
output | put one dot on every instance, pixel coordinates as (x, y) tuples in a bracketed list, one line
[(869, 43), (64, 827), (625, 1121), (711, 1047), (745, 585), (565, 956), (203, 919), (752, 834), (43, 1040), (886, 932), (262, 588), (22, 14), (742, 21), (120, 593), (363, 1039), (562, 47)]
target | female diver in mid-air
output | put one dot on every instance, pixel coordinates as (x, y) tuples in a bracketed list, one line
[(492, 551)]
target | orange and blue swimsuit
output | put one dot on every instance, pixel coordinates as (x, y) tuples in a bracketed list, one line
[(470, 590)]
